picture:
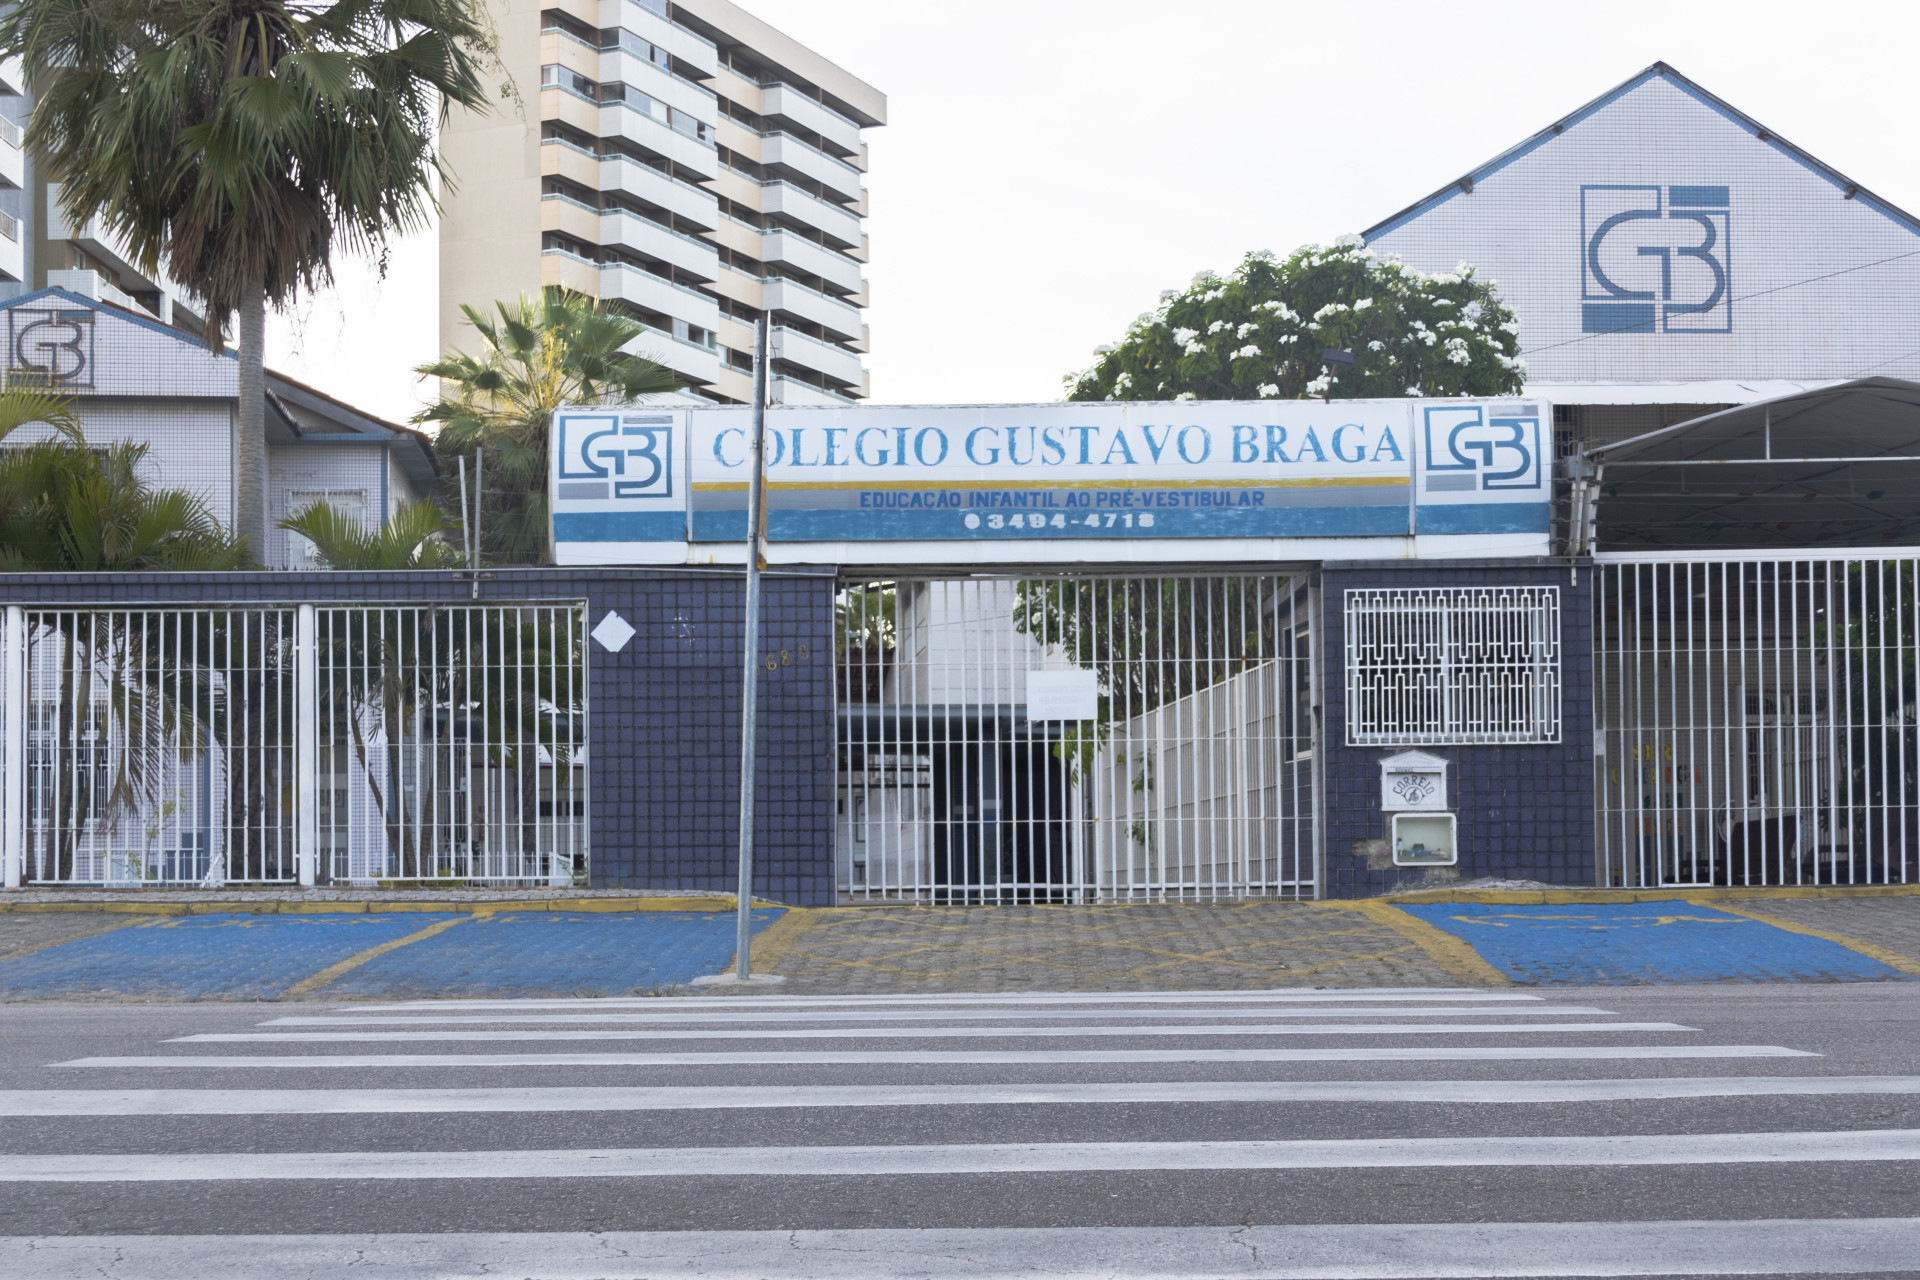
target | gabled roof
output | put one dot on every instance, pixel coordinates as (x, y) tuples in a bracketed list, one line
[(117, 311), (1464, 185)]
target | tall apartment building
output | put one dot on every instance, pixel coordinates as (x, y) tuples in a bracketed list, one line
[(40, 248), (689, 164)]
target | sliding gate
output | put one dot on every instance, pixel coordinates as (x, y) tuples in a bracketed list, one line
[(1757, 719), (1076, 739)]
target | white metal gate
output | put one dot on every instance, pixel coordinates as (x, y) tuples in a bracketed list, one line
[(1075, 739), (294, 744), (1757, 719)]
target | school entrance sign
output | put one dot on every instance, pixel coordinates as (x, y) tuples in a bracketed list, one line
[(1058, 482)]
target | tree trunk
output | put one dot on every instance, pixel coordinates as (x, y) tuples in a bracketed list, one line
[(250, 435)]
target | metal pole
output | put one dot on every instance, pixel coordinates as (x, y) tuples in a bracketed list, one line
[(306, 746), (479, 496), (13, 785), (750, 683)]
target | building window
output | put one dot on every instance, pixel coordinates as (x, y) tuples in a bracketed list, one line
[(1453, 665), (352, 503)]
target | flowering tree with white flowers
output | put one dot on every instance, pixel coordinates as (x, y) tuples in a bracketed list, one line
[(1264, 333)]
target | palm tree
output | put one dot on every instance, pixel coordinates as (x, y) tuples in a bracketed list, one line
[(238, 143), (65, 506), (540, 356), (410, 539)]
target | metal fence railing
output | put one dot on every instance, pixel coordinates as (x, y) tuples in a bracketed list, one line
[(1758, 718), (1074, 738), (298, 744)]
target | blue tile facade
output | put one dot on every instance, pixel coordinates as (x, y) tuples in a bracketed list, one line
[(1524, 812), (665, 710)]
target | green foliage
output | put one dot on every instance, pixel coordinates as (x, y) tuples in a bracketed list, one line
[(1260, 334), (67, 507), (564, 349), (238, 142), (412, 538)]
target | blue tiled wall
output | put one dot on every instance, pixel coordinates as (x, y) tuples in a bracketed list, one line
[(665, 729), (1524, 812)]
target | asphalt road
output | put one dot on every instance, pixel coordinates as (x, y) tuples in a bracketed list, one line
[(1726, 1130)]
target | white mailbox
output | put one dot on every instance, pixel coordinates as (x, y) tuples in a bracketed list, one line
[(1413, 780)]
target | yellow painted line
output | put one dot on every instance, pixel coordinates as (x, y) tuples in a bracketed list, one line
[(1445, 950), (78, 937), (1565, 897), (1892, 959), (1317, 482), (771, 945), (308, 985)]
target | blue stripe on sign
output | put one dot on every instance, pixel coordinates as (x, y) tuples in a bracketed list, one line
[(1697, 198), (1616, 317), (211, 957), (541, 954), (620, 526), (1629, 943), (1074, 523), (1485, 517)]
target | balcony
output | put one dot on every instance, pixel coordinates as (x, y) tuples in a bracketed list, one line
[(784, 102), (651, 292), (647, 184), (13, 76), (788, 152), (13, 254), (13, 161), (793, 391), (837, 317), (697, 364), (812, 259), (677, 40), (618, 120), (836, 222), (650, 240), (839, 364), (659, 83)]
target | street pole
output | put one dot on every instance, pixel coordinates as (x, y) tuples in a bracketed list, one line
[(750, 683)]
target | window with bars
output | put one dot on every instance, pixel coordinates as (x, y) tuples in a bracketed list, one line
[(1443, 665)]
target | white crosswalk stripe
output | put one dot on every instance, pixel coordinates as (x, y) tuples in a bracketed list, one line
[(884, 1102)]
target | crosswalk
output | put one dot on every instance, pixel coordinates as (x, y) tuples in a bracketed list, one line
[(1316, 1133)]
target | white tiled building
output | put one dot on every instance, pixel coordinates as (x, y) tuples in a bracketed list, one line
[(132, 378)]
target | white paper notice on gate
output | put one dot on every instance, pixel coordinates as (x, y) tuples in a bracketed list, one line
[(1062, 695)]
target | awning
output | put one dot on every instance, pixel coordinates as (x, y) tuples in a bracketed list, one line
[(1838, 466)]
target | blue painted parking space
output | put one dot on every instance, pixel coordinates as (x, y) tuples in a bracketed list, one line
[(551, 954), (1627, 943), (212, 957), (260, 957)]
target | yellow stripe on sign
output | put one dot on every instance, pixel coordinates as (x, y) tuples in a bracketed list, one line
[(306, 986), (1315, 482), (1450, 953)]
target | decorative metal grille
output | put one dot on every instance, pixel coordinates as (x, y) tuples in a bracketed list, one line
[(294, 744), (1185, 770), (1439, 665), (1757, 719)]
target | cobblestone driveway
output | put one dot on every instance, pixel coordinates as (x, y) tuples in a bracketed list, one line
[(1105, 948)]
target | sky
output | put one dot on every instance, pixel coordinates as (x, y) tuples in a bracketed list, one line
[(1049, 166)]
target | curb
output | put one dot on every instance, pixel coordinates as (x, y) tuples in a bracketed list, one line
[(1564, 897), (466, 907)]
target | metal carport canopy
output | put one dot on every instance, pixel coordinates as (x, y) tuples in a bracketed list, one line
[(1837, 466)]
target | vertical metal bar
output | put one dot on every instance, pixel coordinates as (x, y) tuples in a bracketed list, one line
[(13, 747), (750, 683)]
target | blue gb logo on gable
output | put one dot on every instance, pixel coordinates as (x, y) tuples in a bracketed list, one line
[(1654, 259), (635, 452), (1471, 449)]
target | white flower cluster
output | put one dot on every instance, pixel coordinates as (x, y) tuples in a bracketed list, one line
[(1320, 385), (1244, 330), (1123, 381), (1185, 336), (1249, 350), (1216, 326), (1186, 395), (1269, 390), (1376, 345)]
